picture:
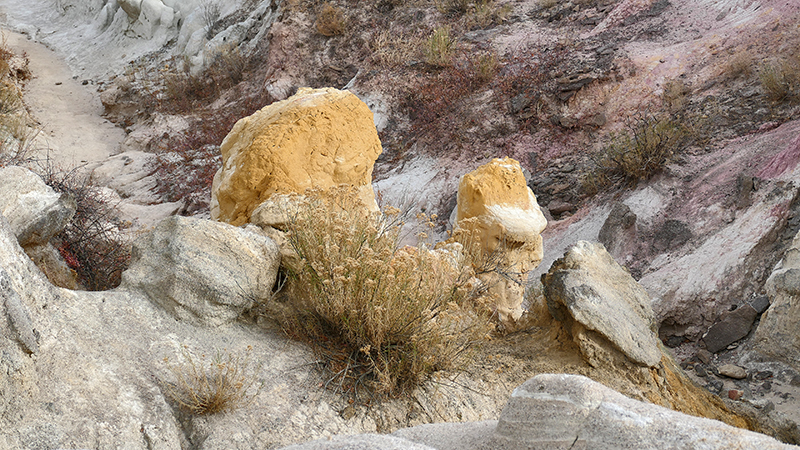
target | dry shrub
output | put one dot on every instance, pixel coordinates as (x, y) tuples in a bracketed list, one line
[(781, 79), (210, 11), (16, 132), (485, 13), (93, 244), (330, 21), (175, 90), (526, 85), (486, 65), (228, 66), (437, 108), (648, 144), (223, 383), (380, 318), (453, 8)]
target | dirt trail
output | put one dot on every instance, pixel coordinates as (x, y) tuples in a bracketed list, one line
[(68, 112)]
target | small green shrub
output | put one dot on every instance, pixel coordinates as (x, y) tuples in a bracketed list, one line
[(223, 383), (380, 318), (440, 47)]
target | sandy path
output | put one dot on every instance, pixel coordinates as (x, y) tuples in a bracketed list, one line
[(69, 113)]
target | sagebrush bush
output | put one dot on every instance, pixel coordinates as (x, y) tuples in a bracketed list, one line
[(382, 319), (93, 244), (222, 383)]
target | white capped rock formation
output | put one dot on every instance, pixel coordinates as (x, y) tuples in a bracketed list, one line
[(496, 207), (555, 411), (777, 333)]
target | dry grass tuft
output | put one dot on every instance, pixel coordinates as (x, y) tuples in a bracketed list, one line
[(381, 319), (739, 65), (439, 48), (330, 21), (781, 79), (391, 48), (221, 384), (675, 95)]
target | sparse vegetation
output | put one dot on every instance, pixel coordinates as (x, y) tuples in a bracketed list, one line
[(211, 11), (16, 132), (222, 383), (675, 95), (381, 319), (93, 244), (390, 50), (186, 163), (436, 108)]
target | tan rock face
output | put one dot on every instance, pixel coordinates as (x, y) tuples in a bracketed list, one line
[(496, 207), (318, 138)]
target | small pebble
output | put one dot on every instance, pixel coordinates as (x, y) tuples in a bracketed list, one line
[(700, 371), (714, 386), (795, 381), (766, 386), (732, 371), (735, 394), (763, 375), (704, 355)]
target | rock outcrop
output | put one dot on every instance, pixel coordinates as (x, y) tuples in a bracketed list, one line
[(318, 138), (559, 411), (35, 212), (593, 294), (571, 411), (777, 334), (498, 210), (202, 271)]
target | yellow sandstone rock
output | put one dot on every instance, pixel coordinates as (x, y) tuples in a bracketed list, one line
[(496, 207), (318, 138)]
